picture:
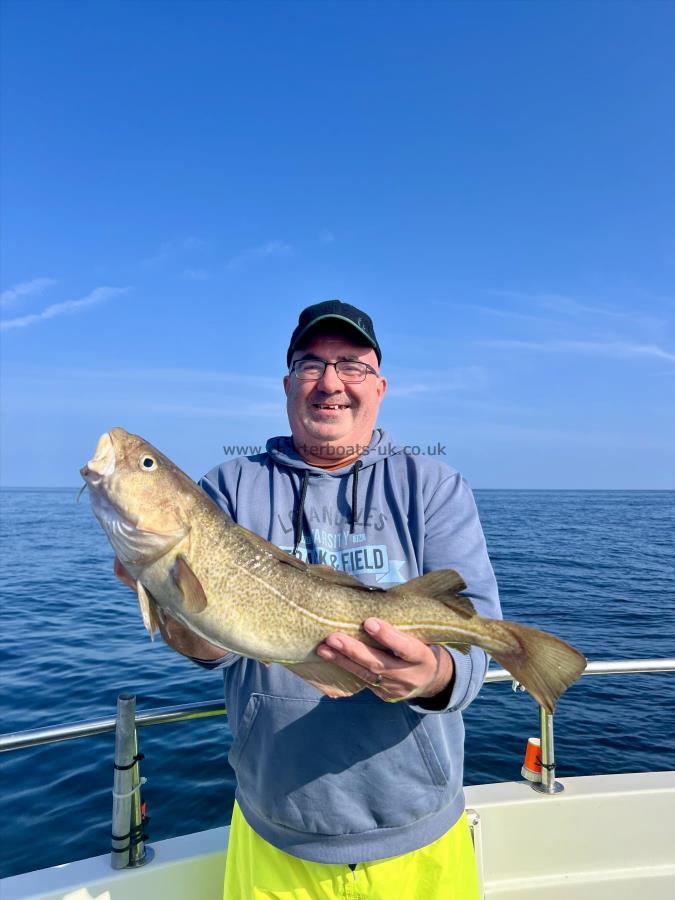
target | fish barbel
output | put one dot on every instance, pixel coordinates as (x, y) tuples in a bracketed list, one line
[(188, 559)]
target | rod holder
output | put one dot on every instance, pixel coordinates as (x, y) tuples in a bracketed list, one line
[(548, 784), (128, 843)]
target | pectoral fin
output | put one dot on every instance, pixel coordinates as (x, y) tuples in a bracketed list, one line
[(327, 677), (189, 586), (149, 610)]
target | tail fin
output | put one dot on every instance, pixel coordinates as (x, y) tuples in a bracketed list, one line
[(542, 663)]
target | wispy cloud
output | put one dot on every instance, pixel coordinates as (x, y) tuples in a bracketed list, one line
[(164, 377), (415, 383), (264, 251), (196, 274), (583, 438), (502, 313), (68, 307), (573, 308), (26, 289), (121, 392), (175, 248), (616, 349), (190, 376), (244, 410)]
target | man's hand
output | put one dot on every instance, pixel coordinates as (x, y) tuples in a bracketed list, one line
[(403, 669)]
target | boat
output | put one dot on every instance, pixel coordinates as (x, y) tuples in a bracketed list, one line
[(591, 837)]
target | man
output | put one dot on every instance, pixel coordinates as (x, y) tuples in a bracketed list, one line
[(358, 796)]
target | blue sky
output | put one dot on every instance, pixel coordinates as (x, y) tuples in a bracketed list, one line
[(492, 182)]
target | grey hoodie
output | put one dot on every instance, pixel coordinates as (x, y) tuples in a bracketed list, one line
[(354, 779)]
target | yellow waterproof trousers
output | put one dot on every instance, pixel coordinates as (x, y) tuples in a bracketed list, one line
[(255, 870)]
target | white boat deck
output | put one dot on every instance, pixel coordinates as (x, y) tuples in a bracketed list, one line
[(605, 836)]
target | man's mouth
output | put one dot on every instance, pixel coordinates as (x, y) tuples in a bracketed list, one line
[(331, 406)]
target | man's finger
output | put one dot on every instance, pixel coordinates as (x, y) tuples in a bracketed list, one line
[(402, 645), (369, 659), (362, 672)]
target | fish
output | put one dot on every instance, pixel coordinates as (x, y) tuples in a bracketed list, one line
[(187, 559)]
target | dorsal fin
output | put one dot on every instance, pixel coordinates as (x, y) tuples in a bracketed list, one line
[(443, 585), (326, 573), (273, 550), (336, 576)]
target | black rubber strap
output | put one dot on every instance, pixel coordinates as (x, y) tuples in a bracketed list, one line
[(137, 758), (135, 835)]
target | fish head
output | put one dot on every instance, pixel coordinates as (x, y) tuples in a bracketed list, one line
[(142, 500)]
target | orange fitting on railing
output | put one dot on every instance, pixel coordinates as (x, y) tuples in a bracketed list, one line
[(532, 764)]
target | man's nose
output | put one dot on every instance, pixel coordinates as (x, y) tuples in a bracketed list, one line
[(329, 381)]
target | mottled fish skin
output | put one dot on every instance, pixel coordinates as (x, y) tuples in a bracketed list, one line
[(242, 593)]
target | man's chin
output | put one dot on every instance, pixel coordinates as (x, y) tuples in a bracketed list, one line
[(325, 433)]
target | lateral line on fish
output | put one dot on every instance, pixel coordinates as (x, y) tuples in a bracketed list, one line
[(488, 644), (297, 606)]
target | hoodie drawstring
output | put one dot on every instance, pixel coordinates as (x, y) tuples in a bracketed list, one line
[(297, 533), (297, 525), (355, 481)]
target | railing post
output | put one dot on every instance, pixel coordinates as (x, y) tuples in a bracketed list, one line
[(128, 842), (548, 784)]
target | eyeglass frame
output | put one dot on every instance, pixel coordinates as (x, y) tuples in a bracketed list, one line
[(369, 370)]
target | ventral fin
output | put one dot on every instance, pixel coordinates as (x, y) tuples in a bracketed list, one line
[(327, 677), (189, 585), (149, 610), (443, 585), (463, 648), (123, 575)]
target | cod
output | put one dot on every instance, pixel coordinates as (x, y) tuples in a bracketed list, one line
[(187, 559)]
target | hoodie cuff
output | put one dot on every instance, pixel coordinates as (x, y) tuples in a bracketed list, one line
[(463, 663), (221, 663)]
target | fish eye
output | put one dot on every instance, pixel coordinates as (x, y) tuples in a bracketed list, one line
[(148, 462)]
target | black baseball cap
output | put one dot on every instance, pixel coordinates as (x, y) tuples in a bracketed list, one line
[(339, 312)]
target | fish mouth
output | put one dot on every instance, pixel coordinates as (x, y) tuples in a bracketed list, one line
[(134, 543), (95, 472), (102, 463)]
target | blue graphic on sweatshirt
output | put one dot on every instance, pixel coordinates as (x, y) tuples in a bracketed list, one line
[(348, 553)]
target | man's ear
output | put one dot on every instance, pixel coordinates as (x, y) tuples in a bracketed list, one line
[(382, 386), (287, 381)]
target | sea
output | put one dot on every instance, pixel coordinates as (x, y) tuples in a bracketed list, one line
[(595, 567)]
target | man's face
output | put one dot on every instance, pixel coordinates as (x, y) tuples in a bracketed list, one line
[(327, 411)]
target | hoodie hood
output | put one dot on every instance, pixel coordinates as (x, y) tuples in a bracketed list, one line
[(282, 451)]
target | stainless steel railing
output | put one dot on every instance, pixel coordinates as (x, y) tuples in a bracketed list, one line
[(128, 818), (167, 714)]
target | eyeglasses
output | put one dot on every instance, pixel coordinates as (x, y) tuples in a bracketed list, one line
[(347, 371)]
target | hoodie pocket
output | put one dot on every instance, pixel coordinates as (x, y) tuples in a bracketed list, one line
[(336, 766)]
